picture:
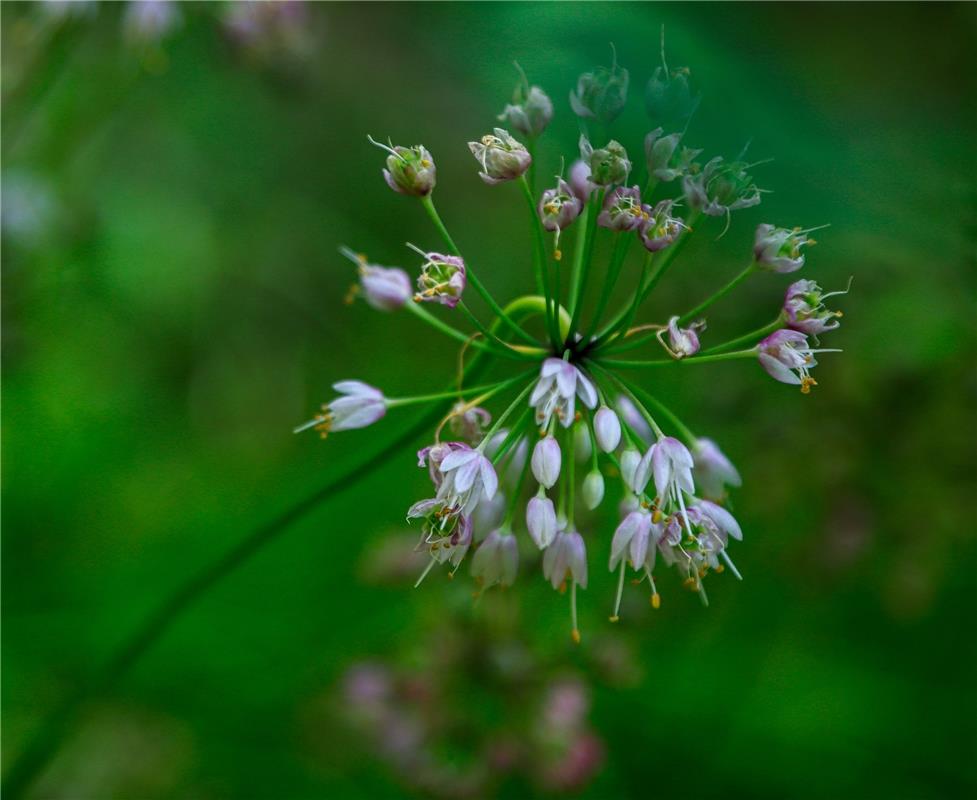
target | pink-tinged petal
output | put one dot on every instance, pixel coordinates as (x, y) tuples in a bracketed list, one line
[(546, 461), (622, 538), (586, 391), (577, 558), (357, 389), (776, 370), (642, 471), (639, 544), (541, 521), (457, 458), (490, 481), (607, 429), (359, 418), (661, 466), (723, 519), (422, 508), (540, 390), (630, 459), (551, 367), (509, 557), (571, 406), (566, 379), (465, 475)]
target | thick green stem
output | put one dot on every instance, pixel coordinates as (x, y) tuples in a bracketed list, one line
[(695, 312), (428, 204)]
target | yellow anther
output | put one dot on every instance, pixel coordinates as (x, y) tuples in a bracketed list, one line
[(563, 587), (656, 600), (575, 635), (351, 294), (615, 618), (719, 569), (558, 255), (425, 163), (806, 383)]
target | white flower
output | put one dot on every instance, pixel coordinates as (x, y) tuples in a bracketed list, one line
[(560, 383), (361, 405), (566, 559), (713, 470), (607, 429), (541, 520), (546, 461), (467, 478), (631, 539)]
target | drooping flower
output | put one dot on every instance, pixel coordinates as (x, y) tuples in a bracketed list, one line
[(669, 98), (580, 181), (779, 249), (359, 406), (529, 112), (713, 470), (632, 417), (788, 358), (669, 462), (383, 288), (502, 157), (410, 170), (497, 559), (665, 160), (560, 383), (658, 228), (467, 477), (609, 165), (804, 308), (566, 560), (622, 209), (631, 540), (600, 94), (469, 422), (442, 280)]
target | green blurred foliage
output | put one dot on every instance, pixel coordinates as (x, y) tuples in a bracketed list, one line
[(178, 307)]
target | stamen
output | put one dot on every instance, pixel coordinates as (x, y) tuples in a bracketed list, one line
[(427, 569), (575, 632), (732, 566)]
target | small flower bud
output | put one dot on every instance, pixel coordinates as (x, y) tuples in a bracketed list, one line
[(593, 489), (665, 160), (779, 249), (581, 443), (669, 98), (497, 559), (630, 459), (546, 461), (502, 157), (541, 520), (442, 280), (529, 112), (607, 429), (410, 170), (804, 309), (720, 188), (609, 165), (682, 342), (622, 209), (601, 94), (580, 179), (658, 228)]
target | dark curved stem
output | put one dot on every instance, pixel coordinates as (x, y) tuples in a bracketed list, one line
[(47, 740)]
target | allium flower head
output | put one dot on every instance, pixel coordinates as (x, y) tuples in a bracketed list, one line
[(788, 358), (568, 407), (658, 228), (609, 165), (410, 170), (804, 309), (442, 280), (601, 94), (622, 209), (721, 187), (666, 161), (502, 157), (530, 110), (559, 384), (779, 249)]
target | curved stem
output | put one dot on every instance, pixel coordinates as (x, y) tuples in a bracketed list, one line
[(695, 312), (454, 333), (579, 279), (491, 338), (428, 204)]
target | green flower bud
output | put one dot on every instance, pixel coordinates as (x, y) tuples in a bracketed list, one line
[(601, 94), (410, 170), (669, 98), (609, 165), (530, 110)]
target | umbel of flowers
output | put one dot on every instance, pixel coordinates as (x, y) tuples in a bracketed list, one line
[(572, 424)]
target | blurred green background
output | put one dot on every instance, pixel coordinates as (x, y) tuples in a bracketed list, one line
[(173, 305)]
